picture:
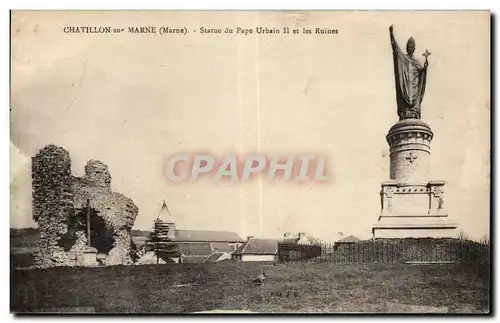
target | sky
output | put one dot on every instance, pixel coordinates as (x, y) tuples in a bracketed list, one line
[(132, 101)]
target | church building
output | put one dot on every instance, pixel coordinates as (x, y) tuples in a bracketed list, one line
[(199, 246)]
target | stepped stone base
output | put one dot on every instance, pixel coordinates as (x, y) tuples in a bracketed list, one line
[(414, 227), (413, 210)]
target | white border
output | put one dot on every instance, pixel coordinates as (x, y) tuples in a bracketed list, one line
[(190, 4), (257, 4)]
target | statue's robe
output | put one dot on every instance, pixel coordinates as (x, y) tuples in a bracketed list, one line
[(410, 83)]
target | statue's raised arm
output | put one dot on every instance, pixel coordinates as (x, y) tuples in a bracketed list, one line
[(394, 43)]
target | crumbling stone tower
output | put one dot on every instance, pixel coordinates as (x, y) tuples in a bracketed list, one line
[(52, 203)]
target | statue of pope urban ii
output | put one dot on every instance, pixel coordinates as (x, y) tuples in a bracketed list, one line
[(410, 78)]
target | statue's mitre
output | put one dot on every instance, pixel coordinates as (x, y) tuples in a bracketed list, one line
[(411, 42)]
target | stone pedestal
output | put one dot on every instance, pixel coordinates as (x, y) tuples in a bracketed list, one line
[(90, 257), (412, 206)]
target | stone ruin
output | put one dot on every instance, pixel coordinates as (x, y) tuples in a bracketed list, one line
[(59, 208)]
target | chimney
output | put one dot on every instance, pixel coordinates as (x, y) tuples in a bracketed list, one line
[(287, 235), (249, 237), (302, 235)]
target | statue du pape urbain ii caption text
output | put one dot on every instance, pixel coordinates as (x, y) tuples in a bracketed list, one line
[(167, 30)]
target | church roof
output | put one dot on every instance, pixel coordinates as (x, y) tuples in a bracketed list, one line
[(164, 213), (222, 247), (206, 236)]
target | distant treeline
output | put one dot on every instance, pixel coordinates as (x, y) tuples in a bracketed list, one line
[(140, 233)]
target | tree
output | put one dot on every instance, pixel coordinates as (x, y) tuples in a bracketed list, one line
[(485, 240), (314, 240), (462, 235), (160, 243)]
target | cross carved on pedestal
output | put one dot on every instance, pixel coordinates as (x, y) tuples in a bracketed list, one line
[(411, 157)]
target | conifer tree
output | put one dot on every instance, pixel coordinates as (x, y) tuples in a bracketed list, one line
[(160, 243)]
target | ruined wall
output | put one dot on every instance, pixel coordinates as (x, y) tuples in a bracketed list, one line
[(117, 210), (58, 200)]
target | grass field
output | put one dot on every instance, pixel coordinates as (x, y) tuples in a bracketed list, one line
[(311, 287)]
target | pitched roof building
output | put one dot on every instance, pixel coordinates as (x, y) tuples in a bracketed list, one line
[(257, 250)]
